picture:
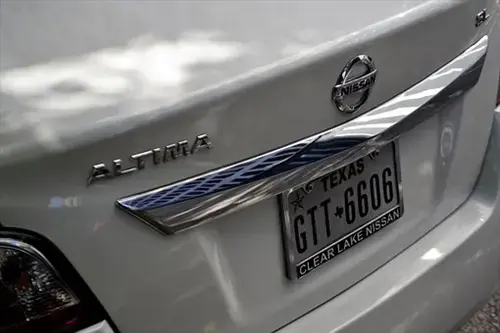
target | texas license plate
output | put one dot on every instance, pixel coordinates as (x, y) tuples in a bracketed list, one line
[(333, 213)]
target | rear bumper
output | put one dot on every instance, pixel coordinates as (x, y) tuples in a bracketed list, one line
[(435, 283)]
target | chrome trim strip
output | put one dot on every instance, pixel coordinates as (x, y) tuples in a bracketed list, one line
[(188, 203)]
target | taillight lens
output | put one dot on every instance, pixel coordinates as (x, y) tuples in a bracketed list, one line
[(29, 287), (37, 296)]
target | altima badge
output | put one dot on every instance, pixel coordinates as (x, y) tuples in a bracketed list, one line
[(348, 84), (156, 155)]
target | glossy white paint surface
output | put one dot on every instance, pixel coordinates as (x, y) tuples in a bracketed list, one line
[(96, 70), (226, 276)]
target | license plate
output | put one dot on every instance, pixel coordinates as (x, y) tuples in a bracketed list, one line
[(331, 214)]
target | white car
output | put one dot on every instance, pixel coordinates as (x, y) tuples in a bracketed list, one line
[(248, 166)]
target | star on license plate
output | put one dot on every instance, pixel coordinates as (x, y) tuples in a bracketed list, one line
[(339, 210)]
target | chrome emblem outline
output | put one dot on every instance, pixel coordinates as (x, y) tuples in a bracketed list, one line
[(346, 86)]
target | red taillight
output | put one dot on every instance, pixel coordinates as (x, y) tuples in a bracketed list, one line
[(35, 296), (30, 289)]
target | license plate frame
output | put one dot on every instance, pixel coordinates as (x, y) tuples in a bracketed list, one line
[(294, 261)]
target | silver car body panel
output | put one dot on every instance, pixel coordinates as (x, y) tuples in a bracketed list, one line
[(88, 82), (85, 82)]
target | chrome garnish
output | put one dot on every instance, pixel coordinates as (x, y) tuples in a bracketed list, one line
[(361, 84), (156, 155), (199, 199)]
